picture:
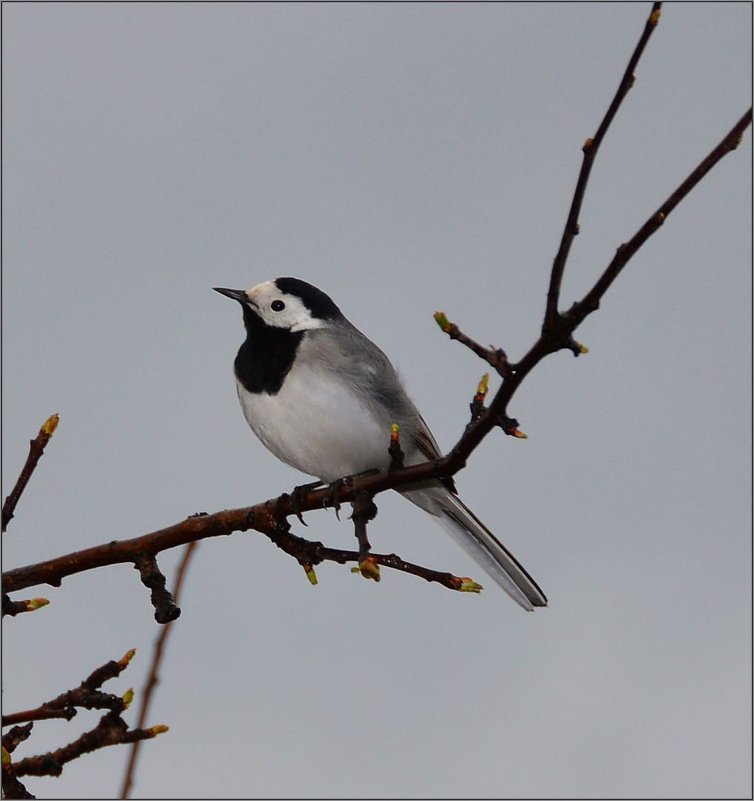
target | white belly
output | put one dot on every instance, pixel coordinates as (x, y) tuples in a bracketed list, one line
[(317, 426)]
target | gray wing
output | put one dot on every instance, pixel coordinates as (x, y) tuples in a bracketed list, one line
[(356, 362)]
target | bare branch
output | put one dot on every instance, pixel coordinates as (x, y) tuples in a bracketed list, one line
[(86, 696), (591, 301), (13, 608), (165, 609), (111, 730), (495, 357), (270, 517), (12, 787), (36, 449), (153, 675), (590, 148)]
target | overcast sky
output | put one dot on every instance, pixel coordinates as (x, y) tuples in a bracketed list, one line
[(404, 158)]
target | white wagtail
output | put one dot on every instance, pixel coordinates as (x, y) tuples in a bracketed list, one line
[(322, 397)]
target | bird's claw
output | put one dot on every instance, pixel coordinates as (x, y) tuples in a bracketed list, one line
[(333, 495), (296, 498)]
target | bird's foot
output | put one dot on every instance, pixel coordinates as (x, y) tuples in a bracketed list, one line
[(334, 488), (298, 491)]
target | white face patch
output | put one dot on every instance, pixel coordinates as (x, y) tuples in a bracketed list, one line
[(281, 310)]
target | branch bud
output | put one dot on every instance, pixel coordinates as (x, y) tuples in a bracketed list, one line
[(466, 584), (483, 388), (155, 730), (310, 574), (368, 568), (443, 321), (126, 658)]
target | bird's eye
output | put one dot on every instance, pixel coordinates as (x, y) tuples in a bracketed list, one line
[(277, 305)]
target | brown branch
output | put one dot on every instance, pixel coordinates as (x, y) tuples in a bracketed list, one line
[(12, 787), (13, 738), (590, 148), (153, 675), (36, 449), (13, 608), (264, 517), (86, 696), (152, 577), (591, 301), (111, 730), (560, 335), (495, 357), (270, 516)]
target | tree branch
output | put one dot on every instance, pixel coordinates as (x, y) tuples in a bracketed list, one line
[(36, 449), (270, 517), (111, 729), (153, 676), (590, 148), (87, 696)]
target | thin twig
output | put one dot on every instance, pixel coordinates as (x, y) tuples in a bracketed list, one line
[(36, 449), (87, 696), (495, 357), (13, 608), (592, 299), (552, 340), (153, 675), (590, 148), (111, 730), (266, 517)]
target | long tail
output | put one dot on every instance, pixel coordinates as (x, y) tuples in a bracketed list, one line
[(479, 543)]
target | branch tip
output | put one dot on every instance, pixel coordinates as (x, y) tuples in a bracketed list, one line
[(466, 584), (443, 322), (159, 729), (369, 568), (48, 429), (310, 574), (36, 449), (125, 660), (483, 387), (397, 457)]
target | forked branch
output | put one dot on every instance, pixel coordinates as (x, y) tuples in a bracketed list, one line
[(271, 517)]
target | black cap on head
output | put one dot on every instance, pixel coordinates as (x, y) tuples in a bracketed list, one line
[(319, 304)]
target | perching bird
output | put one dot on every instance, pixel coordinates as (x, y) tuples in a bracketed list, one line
[(322, 397)]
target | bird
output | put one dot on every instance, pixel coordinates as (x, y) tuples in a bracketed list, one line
[(322, 397)]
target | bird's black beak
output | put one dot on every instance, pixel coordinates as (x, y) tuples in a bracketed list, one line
[(235, 294)]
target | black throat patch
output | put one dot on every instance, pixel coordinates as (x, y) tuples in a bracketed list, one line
[(267, 355)]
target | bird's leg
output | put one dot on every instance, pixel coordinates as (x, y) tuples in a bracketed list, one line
[(334, 488)]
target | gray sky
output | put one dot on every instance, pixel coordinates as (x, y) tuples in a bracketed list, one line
[(404, 158)]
